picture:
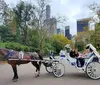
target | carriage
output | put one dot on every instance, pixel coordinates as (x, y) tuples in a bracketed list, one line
[(91, 65), (51, 65), (92, 61)]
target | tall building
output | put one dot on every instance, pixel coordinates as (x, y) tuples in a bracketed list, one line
[(60, 31), (50, 23), (67, 32), (51, 26), (82, 23), (91, 25), (48, 12)]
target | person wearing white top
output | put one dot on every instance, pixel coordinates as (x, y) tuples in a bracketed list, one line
[(21, 54)]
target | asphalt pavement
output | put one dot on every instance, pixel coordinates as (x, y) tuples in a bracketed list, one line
[(26, 74)]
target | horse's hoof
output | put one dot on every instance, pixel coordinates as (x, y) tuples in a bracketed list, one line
[(14, 80), (37, 76)]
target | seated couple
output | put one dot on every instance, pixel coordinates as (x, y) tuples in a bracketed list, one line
[(79, 59)]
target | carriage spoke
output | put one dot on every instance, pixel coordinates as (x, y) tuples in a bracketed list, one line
[(58, 69), (93, 70)]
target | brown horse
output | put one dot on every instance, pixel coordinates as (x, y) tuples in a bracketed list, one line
[(16, 61)]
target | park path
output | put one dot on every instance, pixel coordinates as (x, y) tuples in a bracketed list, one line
[(27, 77)]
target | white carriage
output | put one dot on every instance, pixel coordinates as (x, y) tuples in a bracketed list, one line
[(91, 65)]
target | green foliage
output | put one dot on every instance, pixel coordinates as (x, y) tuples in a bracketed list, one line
[(2, 45), (33, 39), (17, 47), (24, 13), (27, 29), (6, 34), (47, 47), (95, 36), (59, 41), (80, 45)]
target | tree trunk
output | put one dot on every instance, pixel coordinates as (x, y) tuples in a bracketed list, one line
[(41, 48)]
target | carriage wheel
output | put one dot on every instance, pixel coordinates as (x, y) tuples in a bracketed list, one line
[(93, 70), (58, 69), (49, 69)]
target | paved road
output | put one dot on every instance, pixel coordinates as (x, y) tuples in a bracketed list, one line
[(27, 76)]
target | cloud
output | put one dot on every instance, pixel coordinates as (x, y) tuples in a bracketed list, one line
[(63, 2)]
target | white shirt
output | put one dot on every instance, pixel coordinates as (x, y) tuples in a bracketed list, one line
[(21, 54)]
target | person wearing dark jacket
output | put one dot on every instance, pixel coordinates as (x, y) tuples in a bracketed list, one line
[(75, 54), (80, 61)]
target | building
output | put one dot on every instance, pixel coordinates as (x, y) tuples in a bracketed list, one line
[(82, 23), (58, 31), (51, 26), (50, 23), (48, 12), (62, 32), (91, 25), (67, 32)]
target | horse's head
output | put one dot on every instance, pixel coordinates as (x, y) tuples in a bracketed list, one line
[(4, 52)]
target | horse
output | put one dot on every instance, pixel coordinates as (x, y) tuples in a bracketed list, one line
[(28, 56)]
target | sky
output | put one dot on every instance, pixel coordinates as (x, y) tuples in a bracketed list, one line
[(71, 9)]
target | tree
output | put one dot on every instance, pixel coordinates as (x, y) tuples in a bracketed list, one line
[(33, 38), (6, 34), (83, 38), (4, 12), (95, 36), (43, 25), (95, 8), (24, 13), (59, 41)]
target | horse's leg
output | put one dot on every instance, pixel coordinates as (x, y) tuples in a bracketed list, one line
[(38, 68), (37, 65), (14, 67)]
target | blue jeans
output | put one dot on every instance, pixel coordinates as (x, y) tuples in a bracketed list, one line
[(80, 62)]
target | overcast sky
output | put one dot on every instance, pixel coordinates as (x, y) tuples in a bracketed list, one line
[(72, 9)]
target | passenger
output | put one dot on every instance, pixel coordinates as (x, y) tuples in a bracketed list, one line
[(76, 53), (72, 53), (80, 61)]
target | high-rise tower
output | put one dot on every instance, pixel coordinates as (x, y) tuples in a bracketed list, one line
[(82, 23), (67, 32), (48, 12)]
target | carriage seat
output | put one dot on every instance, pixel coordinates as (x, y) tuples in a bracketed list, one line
[(11, 54)]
